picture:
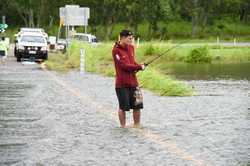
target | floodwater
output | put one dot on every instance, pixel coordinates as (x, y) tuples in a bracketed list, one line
[(52, 119), (215, 71)]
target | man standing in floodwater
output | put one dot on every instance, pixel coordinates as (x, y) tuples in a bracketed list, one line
[(126, 85)]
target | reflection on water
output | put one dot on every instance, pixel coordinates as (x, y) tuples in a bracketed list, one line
[(186, 71)]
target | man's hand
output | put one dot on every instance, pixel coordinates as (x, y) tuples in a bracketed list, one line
[(143, 66)]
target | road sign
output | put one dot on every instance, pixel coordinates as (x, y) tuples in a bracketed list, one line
[(3, 26), (74, 15)]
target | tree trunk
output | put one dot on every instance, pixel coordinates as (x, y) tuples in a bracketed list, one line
[(31, 18), (20, 12), (110, 28), (51, 21), (242, 14), (149, 35), (38, 22), (109, 31), (195, 18), (135, 28), (204, 18), (24, 19), (194, 26)]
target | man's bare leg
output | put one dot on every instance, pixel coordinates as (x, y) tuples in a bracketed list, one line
[(122, 117), (137, 117)]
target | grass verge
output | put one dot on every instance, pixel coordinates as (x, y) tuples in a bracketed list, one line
[(99, 60)]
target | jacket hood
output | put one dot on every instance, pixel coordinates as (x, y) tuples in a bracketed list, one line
[(118, 45)]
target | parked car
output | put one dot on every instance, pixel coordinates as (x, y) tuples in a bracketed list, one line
[(52, 42), (31, 45), (61, 45), (84, 37), (28, 30)]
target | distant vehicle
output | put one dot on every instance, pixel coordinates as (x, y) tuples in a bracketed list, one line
[(52, 42), (61, 45), (84, 37), (39, 31), (31, 45)]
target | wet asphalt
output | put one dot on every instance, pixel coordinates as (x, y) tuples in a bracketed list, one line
[(53, 119)]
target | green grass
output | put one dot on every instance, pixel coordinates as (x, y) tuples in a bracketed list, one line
[(220, 54), (99, 60), (162, 84), (59, 62), (227, 55)]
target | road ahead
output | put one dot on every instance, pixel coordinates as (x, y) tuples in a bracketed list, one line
[(51, 119)]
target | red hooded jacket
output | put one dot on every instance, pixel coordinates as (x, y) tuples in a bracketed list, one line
[(125, 66)]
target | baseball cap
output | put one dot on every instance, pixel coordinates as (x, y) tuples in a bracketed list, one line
[(125, 33)]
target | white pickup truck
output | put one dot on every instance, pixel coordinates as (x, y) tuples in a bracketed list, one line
[(31, 45)]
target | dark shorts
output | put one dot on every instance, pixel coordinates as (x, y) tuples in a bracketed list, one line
[(126, 98), (2, 53)]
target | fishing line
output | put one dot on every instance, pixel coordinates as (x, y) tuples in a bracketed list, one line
[(164, 52)]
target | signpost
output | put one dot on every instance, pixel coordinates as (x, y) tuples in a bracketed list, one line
[(73, 15), (3, 26), (3, 19), (82, 61)]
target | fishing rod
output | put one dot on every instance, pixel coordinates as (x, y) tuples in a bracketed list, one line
[(163, 53)]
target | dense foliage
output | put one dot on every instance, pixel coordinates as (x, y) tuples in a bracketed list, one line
[(195, 18), (199, 55)]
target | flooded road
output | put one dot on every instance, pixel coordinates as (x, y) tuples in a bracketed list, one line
[(51, 119)]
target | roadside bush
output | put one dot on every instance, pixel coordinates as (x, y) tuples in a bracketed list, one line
[(149, 50), (199, 55)]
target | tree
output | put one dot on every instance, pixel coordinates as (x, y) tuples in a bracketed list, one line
[(134, 14), (152, 15)]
